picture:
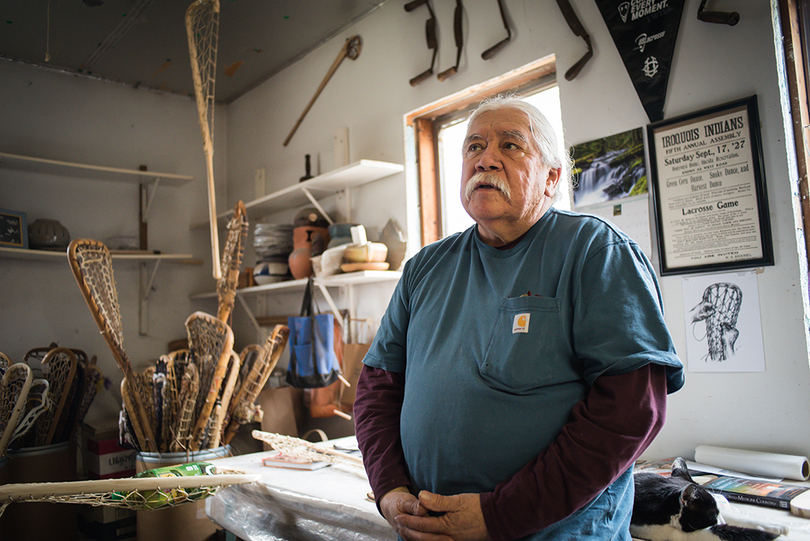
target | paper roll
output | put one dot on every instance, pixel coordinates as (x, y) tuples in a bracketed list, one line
[(754, 463)]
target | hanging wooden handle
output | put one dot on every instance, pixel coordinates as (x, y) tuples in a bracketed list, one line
[(350, 49)]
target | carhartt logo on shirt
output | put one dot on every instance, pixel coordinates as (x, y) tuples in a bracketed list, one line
[(521, 323)]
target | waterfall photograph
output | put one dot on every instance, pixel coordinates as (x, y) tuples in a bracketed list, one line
[(609, 169)]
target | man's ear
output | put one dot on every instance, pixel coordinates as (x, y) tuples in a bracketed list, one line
[(552, 180)]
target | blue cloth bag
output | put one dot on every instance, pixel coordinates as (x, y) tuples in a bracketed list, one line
[(313, 363)]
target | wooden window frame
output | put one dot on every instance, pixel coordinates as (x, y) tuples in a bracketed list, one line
[(424, 122), (792, 14)]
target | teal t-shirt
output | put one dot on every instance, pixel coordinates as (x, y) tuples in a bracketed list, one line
[(498, 345)]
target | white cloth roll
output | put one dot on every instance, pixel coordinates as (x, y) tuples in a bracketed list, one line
[(754, 463)]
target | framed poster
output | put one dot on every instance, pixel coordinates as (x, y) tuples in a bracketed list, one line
[(13, 229), (708, 185)]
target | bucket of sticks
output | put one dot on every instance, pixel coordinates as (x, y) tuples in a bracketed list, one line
[(188, 521), (45, 464)]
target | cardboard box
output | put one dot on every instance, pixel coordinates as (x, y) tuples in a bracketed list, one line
[(105, 523), (105, 459)]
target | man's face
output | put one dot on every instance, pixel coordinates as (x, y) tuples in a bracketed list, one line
[(504, 180)]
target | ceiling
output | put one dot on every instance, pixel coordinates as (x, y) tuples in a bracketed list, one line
[(143, 42)]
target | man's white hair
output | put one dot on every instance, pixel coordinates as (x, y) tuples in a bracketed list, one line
[(545, 138)]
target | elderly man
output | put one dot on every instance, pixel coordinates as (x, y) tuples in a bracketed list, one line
[(522, 365)]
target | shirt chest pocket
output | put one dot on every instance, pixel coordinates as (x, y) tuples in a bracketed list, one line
[(528, 348)]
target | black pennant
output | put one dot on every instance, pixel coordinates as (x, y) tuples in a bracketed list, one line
[(644, 32)]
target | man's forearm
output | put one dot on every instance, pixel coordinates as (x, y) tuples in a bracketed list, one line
[(377, 409)]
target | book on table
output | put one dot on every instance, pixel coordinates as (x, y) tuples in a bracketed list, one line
[(766, 493), (762, 492)]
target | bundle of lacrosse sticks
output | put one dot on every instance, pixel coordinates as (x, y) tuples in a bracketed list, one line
[(194, 398), (153, 489), (44, 398)]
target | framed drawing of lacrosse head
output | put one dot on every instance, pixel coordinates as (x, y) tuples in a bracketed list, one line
[(13, 229)]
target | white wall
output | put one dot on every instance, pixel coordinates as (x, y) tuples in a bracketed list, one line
[(49, 115), (76, 119), (713, 64)]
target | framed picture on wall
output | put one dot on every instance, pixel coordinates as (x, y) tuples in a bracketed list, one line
[(708, 186), (13, 229)]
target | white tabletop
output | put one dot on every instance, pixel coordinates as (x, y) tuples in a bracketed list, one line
[(330, 503)]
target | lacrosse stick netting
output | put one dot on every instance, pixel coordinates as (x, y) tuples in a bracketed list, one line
[(232, 261), (58, 367), (37, 403), (14, 389), (299, 448), (139, 494), (91, 264), (202, 29)]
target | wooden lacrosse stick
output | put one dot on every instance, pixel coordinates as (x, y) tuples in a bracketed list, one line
[(137, 493), (224, 401), (37, 403), (92, 382), (351, 49), (91, 264), (131, 408), (14, 388), (232, 261), (211, 342), (255, 380), (189, 387), (202, 30), (303, 449)]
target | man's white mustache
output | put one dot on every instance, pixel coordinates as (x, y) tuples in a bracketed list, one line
[(486, 178)]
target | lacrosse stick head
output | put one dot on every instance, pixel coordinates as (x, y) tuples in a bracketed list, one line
[(14, 389), (232, 255), (37, 403), (202, 29), (59, 368), (91, 264), (210, 341)]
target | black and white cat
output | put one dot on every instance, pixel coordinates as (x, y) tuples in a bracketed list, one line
[(676, 508)]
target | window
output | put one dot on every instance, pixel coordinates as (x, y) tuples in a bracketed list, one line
[(435, 134)]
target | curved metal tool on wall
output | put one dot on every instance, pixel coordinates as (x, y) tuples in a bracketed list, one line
[(718, 17), (351, 49), (579, 30), (489, 53), (430, 33), (459, 35)]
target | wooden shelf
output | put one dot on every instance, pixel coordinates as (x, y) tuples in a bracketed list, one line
[(47, 255), (337, 280), (343, 178), (93, 172)]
